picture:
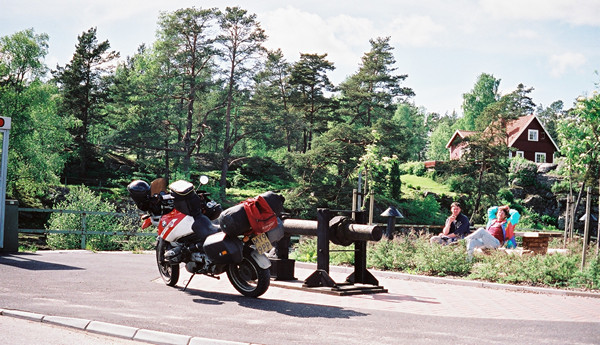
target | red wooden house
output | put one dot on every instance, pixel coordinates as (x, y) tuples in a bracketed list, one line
[(526, 134)]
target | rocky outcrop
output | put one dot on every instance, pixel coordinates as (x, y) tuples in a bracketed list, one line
[(538, 196)]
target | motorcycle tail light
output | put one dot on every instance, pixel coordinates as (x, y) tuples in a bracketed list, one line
[(147, 222)]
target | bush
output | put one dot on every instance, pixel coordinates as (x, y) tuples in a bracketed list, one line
[(81, 198), (461, 184), (413, 168), (522, 172), (425, 210), (412, 253)]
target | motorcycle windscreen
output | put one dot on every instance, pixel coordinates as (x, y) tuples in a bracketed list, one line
[(175, 225), (222, 249)]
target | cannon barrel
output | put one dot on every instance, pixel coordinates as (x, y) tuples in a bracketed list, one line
[(341, 230)]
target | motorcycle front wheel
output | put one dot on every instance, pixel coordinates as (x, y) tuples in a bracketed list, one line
[(248, 278), (168, 272)]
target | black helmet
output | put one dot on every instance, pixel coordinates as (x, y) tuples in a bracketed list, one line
[(140, 193)]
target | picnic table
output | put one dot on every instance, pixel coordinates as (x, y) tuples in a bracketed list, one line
[(537, 241)]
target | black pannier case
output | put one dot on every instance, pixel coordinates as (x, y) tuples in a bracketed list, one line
[(234, 222), (222, 249)]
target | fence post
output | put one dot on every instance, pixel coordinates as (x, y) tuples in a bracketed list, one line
[(586, 230), (83, 216)]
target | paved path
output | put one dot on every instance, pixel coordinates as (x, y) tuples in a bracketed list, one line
[(86, 288), (451, 298)]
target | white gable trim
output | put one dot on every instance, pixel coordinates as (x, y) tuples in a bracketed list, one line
[(527, 125)]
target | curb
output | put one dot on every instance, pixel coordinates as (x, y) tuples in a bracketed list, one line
[(461, 282), (125, 332)]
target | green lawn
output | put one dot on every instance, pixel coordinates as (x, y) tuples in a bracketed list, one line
[(425, 184)]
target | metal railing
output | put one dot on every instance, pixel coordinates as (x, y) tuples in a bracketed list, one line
[(84, 232)]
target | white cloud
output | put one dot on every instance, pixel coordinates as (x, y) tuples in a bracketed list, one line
[(525, 34), (417, 31), (580, 12), (560, 63)]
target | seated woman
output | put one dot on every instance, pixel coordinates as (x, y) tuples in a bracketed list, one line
[(499, 230)]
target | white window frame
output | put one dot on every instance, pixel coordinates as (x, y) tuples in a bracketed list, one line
[(520, 154), (532, 135), (541, 155)]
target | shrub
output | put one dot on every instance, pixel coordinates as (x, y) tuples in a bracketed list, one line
[(81, 198), (522, 171), (412, 253), (461, 184), (425, 210), (413, 168)]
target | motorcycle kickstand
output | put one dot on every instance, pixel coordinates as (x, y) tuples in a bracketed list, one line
[(189, 281)]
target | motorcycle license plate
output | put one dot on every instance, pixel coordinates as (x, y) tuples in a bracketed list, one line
[(262, 243)]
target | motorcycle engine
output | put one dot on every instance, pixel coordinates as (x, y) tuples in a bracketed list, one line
[(196, 263)]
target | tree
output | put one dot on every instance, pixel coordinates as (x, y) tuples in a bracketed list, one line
[(38, 134), (84, 91), (484, 93), (411, 121), (186, 53), (579, 135), (272, 98), (310, 84), (437, 142), (331, 162), (21, 57), (241, 43), (373, 92), (550, 116)]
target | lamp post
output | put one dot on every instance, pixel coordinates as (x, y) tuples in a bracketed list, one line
[(391, 213)]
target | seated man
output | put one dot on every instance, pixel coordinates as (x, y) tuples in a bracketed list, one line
[(457, 226), (499, 230)]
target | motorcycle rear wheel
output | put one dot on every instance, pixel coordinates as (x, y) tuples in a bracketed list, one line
[(168, 272), (248, 278)]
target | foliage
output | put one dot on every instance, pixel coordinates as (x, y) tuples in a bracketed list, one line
[(306, 250), (522, 172), (38, 135), (437, 142), (422, 210), (81, 198), (484, 93), (372, 92), (83, 86), (579, 135), (550, 117), (413, 168), (412, 253)]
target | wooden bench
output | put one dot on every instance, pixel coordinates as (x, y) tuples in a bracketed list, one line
[(536, 241)]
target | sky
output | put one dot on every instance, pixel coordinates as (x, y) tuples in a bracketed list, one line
[(442, 45)]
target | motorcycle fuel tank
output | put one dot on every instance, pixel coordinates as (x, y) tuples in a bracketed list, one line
[(175, 225)]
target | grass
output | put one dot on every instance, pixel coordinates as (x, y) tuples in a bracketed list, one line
[(425, 184)]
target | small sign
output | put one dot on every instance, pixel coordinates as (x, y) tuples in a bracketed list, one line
[(4, 122)]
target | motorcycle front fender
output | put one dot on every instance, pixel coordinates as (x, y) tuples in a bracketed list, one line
[(261, 259)]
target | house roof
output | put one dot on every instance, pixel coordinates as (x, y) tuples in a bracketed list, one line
[(515, 128), (459, 133)]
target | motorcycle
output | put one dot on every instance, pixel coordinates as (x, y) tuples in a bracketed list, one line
[(194, 230)]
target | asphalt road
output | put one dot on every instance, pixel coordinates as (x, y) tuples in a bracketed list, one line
[(125, 289)]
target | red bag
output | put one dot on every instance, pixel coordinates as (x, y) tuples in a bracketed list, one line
[(260, 215)]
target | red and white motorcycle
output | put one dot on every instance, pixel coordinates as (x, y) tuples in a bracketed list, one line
[(192, 229)]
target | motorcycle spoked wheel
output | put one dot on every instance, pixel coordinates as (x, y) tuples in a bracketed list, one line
[(248, 278), (168, 272)]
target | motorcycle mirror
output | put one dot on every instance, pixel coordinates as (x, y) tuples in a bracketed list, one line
[(203, 179)]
